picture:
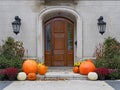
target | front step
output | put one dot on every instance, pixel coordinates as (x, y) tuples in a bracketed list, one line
[(58, 69), (61, 73)]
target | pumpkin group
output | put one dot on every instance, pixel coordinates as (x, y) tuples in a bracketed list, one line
[(31, 76), (75, 69), (86, 67), (42, 69), (30, 66)]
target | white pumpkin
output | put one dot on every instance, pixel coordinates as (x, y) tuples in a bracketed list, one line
[(21, 76), (92, 76)]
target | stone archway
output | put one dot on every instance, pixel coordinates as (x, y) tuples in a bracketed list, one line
[(62, 11)]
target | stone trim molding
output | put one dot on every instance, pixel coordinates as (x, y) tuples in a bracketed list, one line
[(40, 28), (68, 1)]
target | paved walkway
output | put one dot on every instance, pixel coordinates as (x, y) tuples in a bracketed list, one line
[(60, 85)]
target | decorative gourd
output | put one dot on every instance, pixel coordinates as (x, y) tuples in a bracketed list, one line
[(92, 76), (77, 64), (75, 69), (21, 76), (30, 66), (42, 69), (39, 64), (86, 67), (31, 76)]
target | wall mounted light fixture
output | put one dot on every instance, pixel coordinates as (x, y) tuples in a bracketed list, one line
[(16, 25), (101, 25)]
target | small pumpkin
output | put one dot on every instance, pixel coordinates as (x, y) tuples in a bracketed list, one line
[(86, 67), (92, 76), (30, 66), (31, 76), (42, 69), (21, 76), (75, 69)]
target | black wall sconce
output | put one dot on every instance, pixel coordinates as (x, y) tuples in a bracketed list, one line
[(16, 25), (101, 25)]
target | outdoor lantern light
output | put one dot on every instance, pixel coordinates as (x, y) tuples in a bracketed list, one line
[(16, 25), (101, 25)]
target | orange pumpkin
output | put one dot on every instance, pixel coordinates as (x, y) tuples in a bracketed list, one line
[(86, 67), (30, 66), (42, 69), (31, 76), (89, 60), (75, 69)]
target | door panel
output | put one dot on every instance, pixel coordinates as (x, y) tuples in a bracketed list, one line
[(59, 26), (59, 40), (58, 59), (70, 57)]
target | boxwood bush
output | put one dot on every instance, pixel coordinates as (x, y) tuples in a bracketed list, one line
[(108, 54), (11, 53)]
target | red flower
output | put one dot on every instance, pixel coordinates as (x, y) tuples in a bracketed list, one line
[(102, 71), (11, 72)]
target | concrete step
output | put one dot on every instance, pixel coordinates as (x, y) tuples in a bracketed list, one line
[(61, 73), (58, 69)]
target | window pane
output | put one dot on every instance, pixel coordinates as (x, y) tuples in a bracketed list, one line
[(70, 37), (48, 37)]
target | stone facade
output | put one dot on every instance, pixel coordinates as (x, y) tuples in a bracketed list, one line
[(84, 14)]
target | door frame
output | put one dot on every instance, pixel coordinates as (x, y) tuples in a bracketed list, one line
[(67, 11)]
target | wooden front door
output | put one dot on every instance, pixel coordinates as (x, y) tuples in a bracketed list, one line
[(59, 46)]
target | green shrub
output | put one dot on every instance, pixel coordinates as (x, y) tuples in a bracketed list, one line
[(108, 54), (13, 62), (114, 75), (12, 48), (111, 48), (2, 75), (11, 53), (101, 63)]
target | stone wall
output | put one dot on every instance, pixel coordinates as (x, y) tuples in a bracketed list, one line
[(90, 11)]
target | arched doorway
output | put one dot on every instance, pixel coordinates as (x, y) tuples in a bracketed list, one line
[(59, 42), (48, 13)]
